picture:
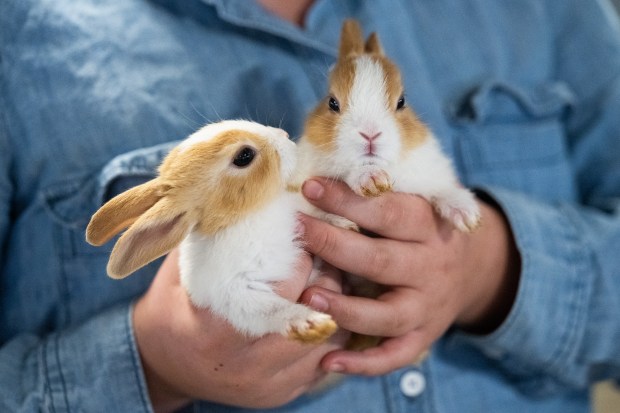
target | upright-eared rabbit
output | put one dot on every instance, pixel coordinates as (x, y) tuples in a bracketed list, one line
[(365, 134)]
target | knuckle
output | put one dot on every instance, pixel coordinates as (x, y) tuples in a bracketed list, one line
[(379, 260), (345, 313), (398, 325), (327, 241), (335, 199)]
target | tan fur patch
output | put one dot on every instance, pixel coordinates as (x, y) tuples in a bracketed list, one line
[(154, 234), (316, 334), (351, 39), (320, 127), (293, 188), (322, 123), (373, 45), (121, 211), (413, 131), (202, 176)]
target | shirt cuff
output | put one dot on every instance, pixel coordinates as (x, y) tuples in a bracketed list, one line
[(96, 367), (547, 320)]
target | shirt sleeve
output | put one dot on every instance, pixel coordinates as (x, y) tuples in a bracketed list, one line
[(94, 367), (564, 327)]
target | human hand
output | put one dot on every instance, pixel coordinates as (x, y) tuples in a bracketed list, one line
[(435, 276), (189, 353)]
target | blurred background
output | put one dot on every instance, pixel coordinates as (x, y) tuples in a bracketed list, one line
[(607, 395)]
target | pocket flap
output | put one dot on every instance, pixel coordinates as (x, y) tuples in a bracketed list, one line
[(130, 169), (73, 203), (499, 101)]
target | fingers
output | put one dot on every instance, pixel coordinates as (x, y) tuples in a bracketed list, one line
[(396, 216), (377, 259), (390, 355), (387, 316)]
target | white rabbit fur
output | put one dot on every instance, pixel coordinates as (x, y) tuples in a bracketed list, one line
[(233, 272), (235, 226), (398, 152)]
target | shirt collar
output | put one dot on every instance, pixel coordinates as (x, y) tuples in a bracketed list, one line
[(249, 14)]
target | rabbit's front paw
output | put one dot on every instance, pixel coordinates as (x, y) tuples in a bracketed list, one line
[(371, 182), (315, 329), (460, 208)]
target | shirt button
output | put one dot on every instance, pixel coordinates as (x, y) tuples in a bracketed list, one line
[(412, 383)]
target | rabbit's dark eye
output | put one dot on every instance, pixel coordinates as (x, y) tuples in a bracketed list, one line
[(401, 103), (244, 157), (334, 106)]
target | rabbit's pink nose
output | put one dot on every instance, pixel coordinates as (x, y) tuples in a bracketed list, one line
[(370, 137)]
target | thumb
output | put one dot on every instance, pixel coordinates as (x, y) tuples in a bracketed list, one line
[(357, 314)]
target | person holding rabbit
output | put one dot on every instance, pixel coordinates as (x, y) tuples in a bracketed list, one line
[(519, 314)]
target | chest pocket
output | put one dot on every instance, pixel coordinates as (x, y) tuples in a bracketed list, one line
[(83, 267), (514, 137)]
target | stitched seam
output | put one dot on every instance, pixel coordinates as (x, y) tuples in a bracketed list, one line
[(523, 243), (134, 361), (62, 377), (63, 247), (48, 385), (526, 262), (581, 295), (569, 332), (429, 397), (390, 403)]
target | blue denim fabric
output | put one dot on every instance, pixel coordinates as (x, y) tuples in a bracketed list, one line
[(524, 96)]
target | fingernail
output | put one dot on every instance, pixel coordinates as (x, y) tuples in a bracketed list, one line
[(336, 368), (312, 189), (319, 303)]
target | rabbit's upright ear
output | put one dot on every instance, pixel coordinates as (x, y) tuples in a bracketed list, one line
[(373, 45), (121, 211), (351, 39), (154, 234)]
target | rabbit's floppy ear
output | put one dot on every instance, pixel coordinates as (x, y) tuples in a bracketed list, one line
[(154, 234), (121, 211), (351, 39)]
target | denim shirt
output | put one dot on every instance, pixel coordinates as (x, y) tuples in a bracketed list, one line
[(523, 95)]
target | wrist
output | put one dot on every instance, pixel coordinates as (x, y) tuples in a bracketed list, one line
[(164, 398), (495, 278)]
